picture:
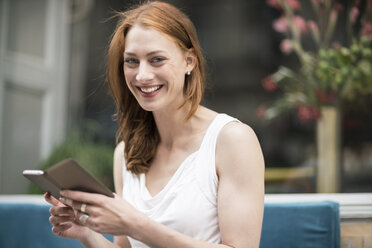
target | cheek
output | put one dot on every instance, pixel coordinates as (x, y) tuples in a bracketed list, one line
[(127, 73), (180, 79), (128, 76), (175, 76)]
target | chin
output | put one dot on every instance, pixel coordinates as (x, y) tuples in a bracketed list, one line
[(149, 107)]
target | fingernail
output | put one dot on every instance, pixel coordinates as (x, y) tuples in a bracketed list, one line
[(66, 201)]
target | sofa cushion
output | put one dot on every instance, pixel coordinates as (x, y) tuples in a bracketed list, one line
[(285, 225), (305, 224), (27, 226)]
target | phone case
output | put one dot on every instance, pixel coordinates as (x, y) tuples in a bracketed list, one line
[(67, 174)]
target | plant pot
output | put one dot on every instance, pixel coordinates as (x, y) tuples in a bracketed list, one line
[(329, 150)]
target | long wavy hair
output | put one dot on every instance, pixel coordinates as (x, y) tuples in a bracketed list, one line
[(137, 127)]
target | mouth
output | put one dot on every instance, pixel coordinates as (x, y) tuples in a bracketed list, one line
[(149, 89)]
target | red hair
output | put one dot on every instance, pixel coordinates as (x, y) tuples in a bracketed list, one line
[(137, 127)]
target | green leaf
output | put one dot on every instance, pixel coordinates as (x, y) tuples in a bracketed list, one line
[(343, 57), (365, 67)]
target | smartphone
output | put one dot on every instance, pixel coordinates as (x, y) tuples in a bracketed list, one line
[(67, 174)]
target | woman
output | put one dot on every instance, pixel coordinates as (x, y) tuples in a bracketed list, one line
[(184, 175)]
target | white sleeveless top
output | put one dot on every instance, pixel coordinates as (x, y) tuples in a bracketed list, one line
[(188, 202)]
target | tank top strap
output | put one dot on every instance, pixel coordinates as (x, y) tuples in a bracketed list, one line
[(206, 163)]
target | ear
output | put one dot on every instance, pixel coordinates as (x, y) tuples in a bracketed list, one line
[(190, 59)]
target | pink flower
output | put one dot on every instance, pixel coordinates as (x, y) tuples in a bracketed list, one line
[(268, 84), (300, 23), (294, 4), (303, 114), (314, 30), (286, 46), (333, 17), (281, 25), (354, 13), (313, 26), (307, 112), (367, 30), (274, 4), (336, 45), (325, 97), (315, 114), (261, 112)]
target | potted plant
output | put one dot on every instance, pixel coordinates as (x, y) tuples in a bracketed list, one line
[(331, 73)]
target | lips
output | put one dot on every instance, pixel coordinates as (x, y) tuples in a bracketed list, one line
[(149, 91)]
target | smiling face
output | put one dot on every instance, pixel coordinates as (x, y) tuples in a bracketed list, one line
[(154, 69)]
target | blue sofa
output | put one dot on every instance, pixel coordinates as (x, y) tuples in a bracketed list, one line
[(285, 225), (304, 225)]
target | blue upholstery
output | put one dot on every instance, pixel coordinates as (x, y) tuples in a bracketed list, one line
[(27, 226), (305, 225), (285, 225)]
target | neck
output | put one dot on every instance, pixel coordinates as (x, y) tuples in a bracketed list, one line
[(172, 124)]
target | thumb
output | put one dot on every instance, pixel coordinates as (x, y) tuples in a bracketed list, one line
[(50, 199)]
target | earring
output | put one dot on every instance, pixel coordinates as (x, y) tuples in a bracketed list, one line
[(188, 73)]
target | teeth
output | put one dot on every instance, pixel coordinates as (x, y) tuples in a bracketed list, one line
[(150, 89)]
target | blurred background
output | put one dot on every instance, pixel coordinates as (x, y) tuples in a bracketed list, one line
[(54, 101)]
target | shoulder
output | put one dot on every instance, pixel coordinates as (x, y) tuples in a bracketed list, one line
[(238, 146), (235, 133), (119, 150), (240, 170), (119, 156)]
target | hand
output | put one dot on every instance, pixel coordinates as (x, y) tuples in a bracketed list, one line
[(64, 221), (108, 215)]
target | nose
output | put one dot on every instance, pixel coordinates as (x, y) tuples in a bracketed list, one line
[(144, 73)]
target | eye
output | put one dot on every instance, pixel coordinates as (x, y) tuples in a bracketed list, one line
[(157, 59), (131, 61)]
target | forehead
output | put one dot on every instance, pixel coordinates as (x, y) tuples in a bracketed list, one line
[(142, 39)]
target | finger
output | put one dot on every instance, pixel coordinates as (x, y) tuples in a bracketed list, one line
[(80, 196), (66, 201), (76, 206), (80, 206), (116, 196), (83, 218), (59, 229), (58, 220), (50, 199), (76, 209), (61, 211)]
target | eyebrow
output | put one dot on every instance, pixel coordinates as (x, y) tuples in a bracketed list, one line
[(148, 54)]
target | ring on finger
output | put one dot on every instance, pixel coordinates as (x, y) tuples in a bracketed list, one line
[(83, 207), (83, 219)]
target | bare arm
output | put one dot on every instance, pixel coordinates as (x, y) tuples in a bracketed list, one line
[(240, 169)]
